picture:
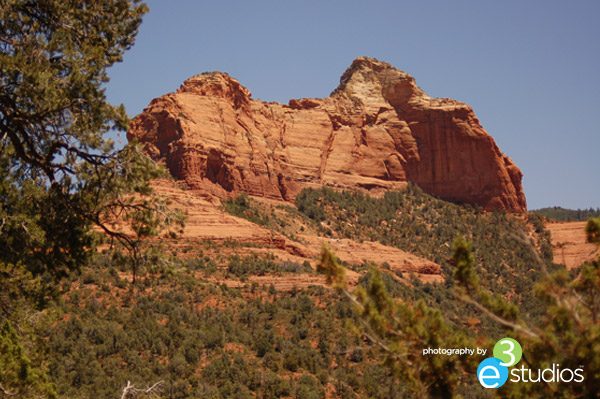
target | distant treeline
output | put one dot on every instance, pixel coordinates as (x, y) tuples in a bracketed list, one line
[(563, 214)]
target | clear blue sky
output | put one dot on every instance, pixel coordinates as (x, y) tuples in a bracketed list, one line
[(530, 69)]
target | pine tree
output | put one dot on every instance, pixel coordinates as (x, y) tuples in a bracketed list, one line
[(62, 180), (61, 177)]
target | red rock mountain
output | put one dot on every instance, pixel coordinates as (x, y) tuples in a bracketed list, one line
[(377, 130)]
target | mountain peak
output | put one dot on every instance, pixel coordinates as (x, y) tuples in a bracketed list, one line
[(372, 81), (217, 84)]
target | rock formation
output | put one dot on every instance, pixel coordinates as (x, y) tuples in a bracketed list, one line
[(377, 130), (569, 244)]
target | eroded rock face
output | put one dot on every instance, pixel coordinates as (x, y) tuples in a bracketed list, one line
[(376, 131), (569, 244)]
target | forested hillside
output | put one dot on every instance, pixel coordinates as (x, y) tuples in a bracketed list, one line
[(564, 215)]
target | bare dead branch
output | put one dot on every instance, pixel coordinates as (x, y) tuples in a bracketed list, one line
[(6, 392), (130, 391)]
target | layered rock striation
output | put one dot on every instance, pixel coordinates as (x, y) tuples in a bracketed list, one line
[(376, 131)]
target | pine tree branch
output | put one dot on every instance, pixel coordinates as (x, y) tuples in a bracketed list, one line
[(496, 318)]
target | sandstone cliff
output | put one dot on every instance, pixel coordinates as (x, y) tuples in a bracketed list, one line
[(376, 131), (569, 244)]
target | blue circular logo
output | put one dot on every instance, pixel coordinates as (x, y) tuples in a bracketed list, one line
[(491, 373)]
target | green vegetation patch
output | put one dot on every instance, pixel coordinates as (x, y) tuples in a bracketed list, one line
[(206, 340), (505, 247)]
